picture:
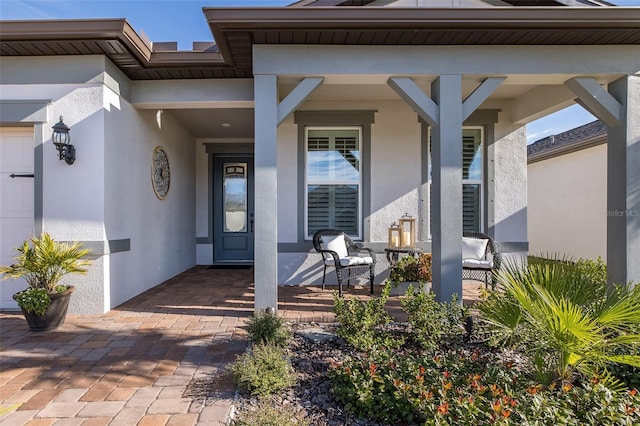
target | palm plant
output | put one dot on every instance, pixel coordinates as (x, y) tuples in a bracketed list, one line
[(42, 262), (565, 316)]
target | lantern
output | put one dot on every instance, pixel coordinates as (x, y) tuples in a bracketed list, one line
[(62, 141), (394, 236), (407, 231)]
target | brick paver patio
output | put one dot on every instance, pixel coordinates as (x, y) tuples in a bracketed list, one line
[(159, 359)]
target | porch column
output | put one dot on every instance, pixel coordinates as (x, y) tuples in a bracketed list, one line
[(446, 197), (623, 184), (266, 196)]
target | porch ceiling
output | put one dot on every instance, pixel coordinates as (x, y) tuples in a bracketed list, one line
[(208, 123)]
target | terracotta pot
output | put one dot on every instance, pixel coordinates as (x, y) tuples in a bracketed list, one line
[(55, 315)]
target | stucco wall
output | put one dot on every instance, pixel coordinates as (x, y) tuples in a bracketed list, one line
[(162, 232), (509, 183), (72, 196), (204, 252), (395, 183), (568, 204), (106, 194)]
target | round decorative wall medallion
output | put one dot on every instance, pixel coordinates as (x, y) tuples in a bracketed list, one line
[(160, 173)]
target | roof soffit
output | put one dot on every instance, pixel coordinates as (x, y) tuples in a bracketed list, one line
[(236, 30), (114, 38)]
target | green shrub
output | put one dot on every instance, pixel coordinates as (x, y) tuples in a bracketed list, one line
[(410, 268), (564, 315), (432, 322), (468, 388), (360, 320), (34, 300), (265, 414), (265, 327), (263, 370)]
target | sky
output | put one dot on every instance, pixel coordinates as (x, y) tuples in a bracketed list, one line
[(183, 21)]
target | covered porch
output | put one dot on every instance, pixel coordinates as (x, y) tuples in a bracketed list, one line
[(469, 76)]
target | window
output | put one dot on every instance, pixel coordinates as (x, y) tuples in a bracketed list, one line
[(472, 179), (472, 165), (333, 180)]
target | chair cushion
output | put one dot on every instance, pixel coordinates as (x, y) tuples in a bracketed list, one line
[(351, 260), (474, 248), (335, 243), (477, 264)]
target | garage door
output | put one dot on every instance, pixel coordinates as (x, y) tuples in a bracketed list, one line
[(16, 202)]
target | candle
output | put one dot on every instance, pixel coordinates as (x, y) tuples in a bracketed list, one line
[(406, 238), (394, 241)]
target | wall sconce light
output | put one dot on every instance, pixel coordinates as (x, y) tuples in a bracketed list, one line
[(62, 140)]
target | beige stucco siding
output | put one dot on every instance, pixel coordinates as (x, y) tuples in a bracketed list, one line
[(567, 204)]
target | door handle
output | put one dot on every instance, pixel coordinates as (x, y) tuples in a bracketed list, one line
[(13, 175), (251, 221)]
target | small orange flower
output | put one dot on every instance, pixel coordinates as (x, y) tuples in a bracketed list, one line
[(633, 392), (506, 413), (532, 390), (495, 390), (422, 370), (372, 369), (497, 407), (447, 385), (446, 374), (443, 408), (567, 387)]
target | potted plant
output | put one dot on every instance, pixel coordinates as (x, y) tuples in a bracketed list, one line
[(42, 262), (410, 270)]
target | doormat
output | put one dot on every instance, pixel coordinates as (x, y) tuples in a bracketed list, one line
[(230, 267)]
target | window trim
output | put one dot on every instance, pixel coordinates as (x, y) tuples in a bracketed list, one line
[(481, 181), (306, 183), (335, 117)]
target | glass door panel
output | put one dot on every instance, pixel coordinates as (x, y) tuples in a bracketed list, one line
[(235, 197)]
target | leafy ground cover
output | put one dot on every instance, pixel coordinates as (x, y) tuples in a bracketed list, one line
[(554, 346)]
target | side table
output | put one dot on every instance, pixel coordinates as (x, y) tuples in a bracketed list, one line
[(393, 254)]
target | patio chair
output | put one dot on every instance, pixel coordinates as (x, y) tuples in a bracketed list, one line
[(349, 259), (480, 259)]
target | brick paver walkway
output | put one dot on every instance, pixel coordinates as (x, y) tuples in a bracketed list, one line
[(159, 359)]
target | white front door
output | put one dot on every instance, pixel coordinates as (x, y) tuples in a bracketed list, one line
[(16, 202)]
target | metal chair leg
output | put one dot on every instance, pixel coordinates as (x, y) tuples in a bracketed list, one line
[(372, 275), (324, 275)]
